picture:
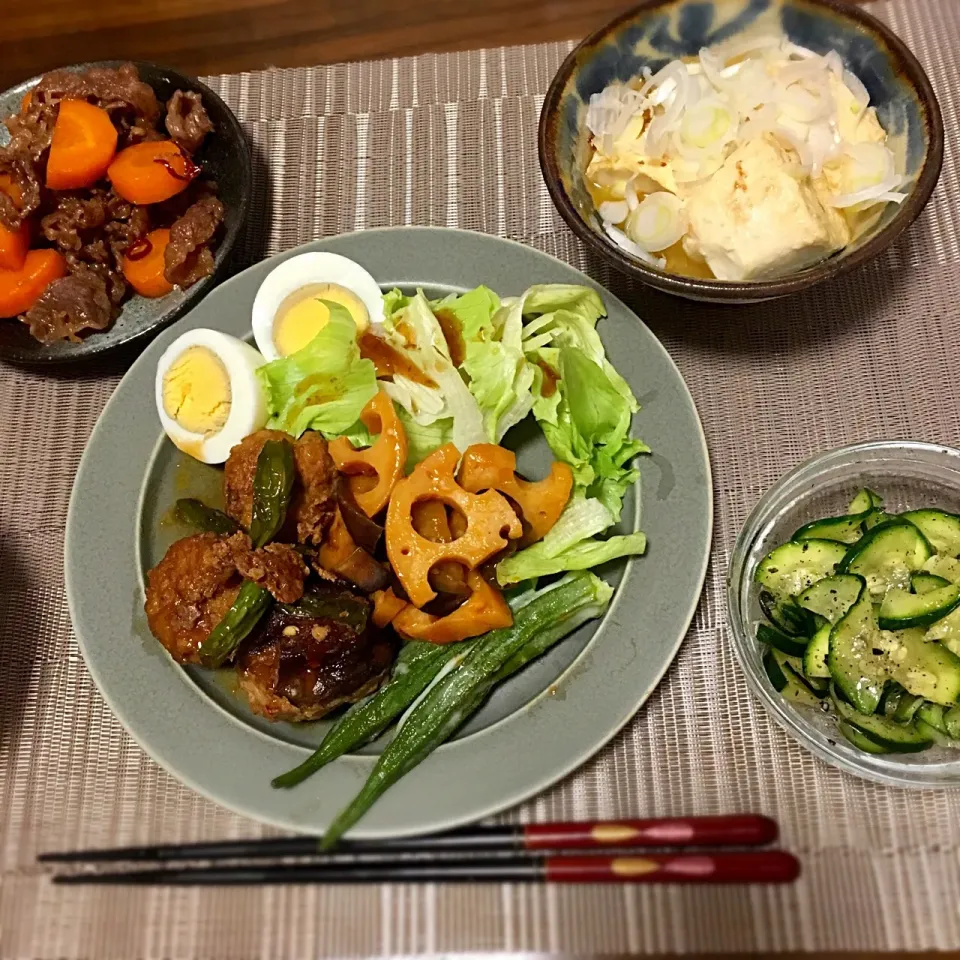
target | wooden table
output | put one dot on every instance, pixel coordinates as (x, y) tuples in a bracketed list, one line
[(221, 36), (217, 36)]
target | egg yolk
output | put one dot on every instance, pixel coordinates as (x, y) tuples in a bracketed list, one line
[(302, 315), (196, 391)]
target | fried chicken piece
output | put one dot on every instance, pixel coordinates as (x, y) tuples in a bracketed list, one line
[(278, 567), (190, 590), (313, 502)]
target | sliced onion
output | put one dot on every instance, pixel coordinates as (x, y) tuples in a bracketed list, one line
[(806, 105), (855, 85), (658, 79), (613, 211), (874, 194), (835, 64), (707, 123), (658, 222), (867, 164), (712, 65), (625, 243), (823, 144), (630, 195)]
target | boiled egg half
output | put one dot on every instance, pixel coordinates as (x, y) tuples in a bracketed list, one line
[(208, 394), (290, 308)]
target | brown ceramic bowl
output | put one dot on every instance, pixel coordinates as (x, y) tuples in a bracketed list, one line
[(658, 31)]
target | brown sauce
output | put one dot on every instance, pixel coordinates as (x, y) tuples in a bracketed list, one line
[(390, 361), (550, 379), (450, 327)]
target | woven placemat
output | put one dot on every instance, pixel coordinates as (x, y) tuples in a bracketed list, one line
[(451, 140)]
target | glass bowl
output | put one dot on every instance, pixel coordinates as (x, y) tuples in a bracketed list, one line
[(908, 475)]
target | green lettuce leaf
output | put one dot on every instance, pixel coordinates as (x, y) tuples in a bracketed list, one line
[(498, 374), (534, 561), (325, 385), (474, 310), (571, 544), (423, 440), (414, 331), (584, 407)]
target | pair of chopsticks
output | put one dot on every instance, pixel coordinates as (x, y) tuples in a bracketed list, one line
[(499, 854)]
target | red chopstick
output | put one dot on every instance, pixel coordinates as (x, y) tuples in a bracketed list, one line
[(738, 830), (765, 867)]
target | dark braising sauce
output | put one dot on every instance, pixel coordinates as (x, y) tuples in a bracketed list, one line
[(390, 361), (450, 327)]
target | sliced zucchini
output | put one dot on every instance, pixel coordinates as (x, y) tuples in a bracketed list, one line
[(833, 596), (787, 679), (926, 670), (876, 518), (887, 555), (866, 499), (893, 693), (793, 567), (907, 707), (846, 529), (942, 529), (815, 654), (854, 660), (774, 670), (925, 582), (932, 714), (946, 632), (944, 567), (792, 646), (860, 741), (895, 737), (951, 720), (786, 616), (940, 738), (901, 609)]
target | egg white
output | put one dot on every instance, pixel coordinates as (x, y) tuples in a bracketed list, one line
[(304, 269), (248, 407)]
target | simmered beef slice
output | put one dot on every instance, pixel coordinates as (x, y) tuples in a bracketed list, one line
[(117, 90), (188, 257), (187, 121), (79, 301)]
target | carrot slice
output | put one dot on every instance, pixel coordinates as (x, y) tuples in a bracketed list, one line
[(151, 172), (14, 245), (143, 266), (84, 142), (20, 289)]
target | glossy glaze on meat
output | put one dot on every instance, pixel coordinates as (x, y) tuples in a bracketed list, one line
[(300, 667)]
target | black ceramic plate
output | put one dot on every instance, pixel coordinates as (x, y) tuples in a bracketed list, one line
[(224, 156)]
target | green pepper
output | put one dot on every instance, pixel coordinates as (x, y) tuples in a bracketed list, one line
[(251, 604), (449, 702), (416, 667), (272, 484), (195, 513), (341, 607)]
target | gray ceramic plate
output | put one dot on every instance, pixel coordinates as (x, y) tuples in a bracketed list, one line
[(535, 729), (225, 158)]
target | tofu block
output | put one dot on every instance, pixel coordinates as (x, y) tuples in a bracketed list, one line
[(758, 217)]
